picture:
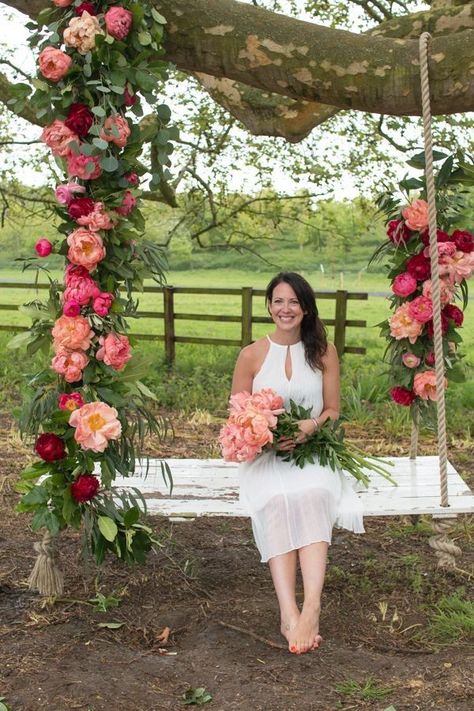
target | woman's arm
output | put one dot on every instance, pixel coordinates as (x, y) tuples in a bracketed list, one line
[(244, 371)]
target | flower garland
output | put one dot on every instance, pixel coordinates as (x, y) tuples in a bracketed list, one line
[(409, 331), (96, 63)]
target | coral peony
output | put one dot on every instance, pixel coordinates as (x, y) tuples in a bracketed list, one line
[(79, 119), (81, 290), (72, 333), (402, 396), (58, 136), (419, 266), (43, 247), (398, 232), (84, 488), (410, 360), (86, 7), (75, 273), (50, 447), (71, 308), (421, 309), (102, 303), (78, 207), (118, 22), (98, 219), (128, 203), (463, 240), (402, 325), (116, 130), (96, 423), (440, 236), (85, 248), (416, 215), (70, 401), (404, 284), (84, 167), (424, 385), (446, 289), (453, 313), (63, 3), (458, 267), (65, 193), (54, 64), (82, 32), (69, 364), (114, 350)]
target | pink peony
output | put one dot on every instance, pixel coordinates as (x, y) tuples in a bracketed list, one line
[(70, 364), (458, 267), (85, 248), (404, 284), (398, 232), (416, 215), (81, 290), (65, 193), (96, 424), (454, 313), (421, 309), (402, 325), (410, 360), (128, 203), (63, 3), (132, 179), (118, 22), (445, 249), (58, 136), (43, 247), (463, 240), (82, 32), (419, 266), (54, 64), (446, 288), (75, 273), (116, 130), (70, 401), (72, 333), (424, 385), (114, 350), (402, 396), (98, 219), (102, 303), (71, 308), (83, 167)]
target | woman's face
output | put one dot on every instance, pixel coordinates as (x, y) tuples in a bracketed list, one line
[(284, 308)]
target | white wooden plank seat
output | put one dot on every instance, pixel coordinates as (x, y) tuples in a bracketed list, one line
[(209, 487)]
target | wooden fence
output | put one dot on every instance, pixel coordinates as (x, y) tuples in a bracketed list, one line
[(246, 318)]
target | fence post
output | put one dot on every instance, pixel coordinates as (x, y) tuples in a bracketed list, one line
[(168, 307), (341, 318), (246, 334)]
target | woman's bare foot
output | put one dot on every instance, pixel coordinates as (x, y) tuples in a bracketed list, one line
[(305, 636), (288, 624)]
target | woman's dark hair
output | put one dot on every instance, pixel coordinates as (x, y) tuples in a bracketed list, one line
[(313, 331)]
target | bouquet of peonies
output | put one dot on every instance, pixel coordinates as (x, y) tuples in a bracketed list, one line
[(256, 422)]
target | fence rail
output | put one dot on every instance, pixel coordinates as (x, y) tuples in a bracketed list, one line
[(246, 318)]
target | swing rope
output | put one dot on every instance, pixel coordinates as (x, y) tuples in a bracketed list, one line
[(425, 39)]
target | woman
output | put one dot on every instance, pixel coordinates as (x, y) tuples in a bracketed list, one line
[(293, 510)]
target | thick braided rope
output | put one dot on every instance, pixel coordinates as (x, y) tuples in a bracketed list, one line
[(414, 437), (435, 284), (46, 576), (445, 549)]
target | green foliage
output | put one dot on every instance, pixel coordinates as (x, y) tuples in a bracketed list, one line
[(453, 619), (196, 697), (104, 603), (368, 690)]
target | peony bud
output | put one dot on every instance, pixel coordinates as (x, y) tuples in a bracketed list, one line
[(43, 247), (71, 308)]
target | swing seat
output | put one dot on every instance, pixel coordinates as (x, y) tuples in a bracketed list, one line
[(210, 487)]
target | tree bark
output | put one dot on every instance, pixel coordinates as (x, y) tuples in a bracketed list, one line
[(308, 62)]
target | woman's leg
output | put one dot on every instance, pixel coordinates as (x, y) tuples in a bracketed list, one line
[(313, 568), (283, 570)]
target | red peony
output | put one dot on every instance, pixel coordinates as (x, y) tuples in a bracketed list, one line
[(398, 232), (430, 358), (402, 396), (79, 119), (440, 236), (444, 325), (132, 179), (50, 447), (463, 240), (78, 207), (86, 7), (128, 98), (453, 313), (84, 488), (419, 266)]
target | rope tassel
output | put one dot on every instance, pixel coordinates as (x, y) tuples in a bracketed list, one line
[(46, 577)]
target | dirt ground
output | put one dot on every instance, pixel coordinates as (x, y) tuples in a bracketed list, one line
[(207, 580)]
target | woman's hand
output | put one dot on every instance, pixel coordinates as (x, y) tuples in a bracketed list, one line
[(306, 429)]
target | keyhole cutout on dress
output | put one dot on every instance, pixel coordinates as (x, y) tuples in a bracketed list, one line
[(288, 364)]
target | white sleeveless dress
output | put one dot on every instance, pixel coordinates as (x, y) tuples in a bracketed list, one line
[(292, 507)]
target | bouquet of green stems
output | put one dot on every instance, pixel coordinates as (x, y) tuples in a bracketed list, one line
[(327, 446)]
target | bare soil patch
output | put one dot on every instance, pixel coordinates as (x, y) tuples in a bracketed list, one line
[(206, 580)]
